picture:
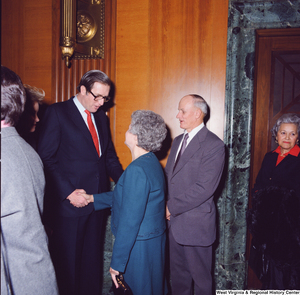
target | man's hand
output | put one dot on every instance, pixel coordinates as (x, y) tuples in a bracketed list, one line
[(113, 274), (168, 214), (77, 199)]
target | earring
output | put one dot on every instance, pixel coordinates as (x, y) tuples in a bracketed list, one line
[(276, 140)]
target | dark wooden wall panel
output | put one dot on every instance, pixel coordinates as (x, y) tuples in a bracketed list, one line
[(12, 35), (26, 40)]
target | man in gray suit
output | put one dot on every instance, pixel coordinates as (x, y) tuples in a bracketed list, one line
[(26, 267), (194, 170)]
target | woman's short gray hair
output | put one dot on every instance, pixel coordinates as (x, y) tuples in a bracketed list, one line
[(289, 118), (150, 129)]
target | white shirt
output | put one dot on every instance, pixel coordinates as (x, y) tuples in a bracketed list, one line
[(81, 110), (191, 136)]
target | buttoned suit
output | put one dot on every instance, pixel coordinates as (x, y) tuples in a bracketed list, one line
[(191, 187), (71, 162)]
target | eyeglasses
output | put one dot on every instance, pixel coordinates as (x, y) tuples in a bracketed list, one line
[(99, 97)]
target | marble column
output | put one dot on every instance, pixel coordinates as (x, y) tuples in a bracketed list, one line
[(244, 17)]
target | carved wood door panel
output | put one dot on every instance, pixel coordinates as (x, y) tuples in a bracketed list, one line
[(276, 92)]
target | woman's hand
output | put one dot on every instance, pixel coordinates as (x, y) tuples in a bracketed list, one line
[(168, 214), (113, 274), (89, 198)]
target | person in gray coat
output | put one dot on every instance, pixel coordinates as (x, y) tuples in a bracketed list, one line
[(26, 267)]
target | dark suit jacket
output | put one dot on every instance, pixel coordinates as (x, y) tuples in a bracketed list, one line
[(70, 157), (191, 187)]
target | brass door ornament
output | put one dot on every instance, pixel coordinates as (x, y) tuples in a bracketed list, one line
[(86, 27), (82, 29), (68, 29)]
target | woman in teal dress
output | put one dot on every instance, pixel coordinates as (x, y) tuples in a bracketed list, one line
[(138, 209)]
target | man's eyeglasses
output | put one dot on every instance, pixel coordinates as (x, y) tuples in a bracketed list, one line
[(99, 97)]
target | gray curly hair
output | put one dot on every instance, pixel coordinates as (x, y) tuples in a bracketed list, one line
[(289, 118), (150, 129)]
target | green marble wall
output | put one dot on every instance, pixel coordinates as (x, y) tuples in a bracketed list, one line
[(244, 17), (108, 246)]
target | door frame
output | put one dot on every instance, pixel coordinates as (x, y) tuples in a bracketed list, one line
[(267, 41)]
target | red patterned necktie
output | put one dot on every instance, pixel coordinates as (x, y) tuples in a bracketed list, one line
[(93, 131)]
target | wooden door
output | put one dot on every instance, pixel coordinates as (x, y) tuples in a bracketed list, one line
[(276, 91)]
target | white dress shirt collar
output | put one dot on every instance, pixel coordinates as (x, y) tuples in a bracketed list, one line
[(193, 133), (191, 136)]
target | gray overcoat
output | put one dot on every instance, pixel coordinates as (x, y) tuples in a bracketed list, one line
[(24, 242)]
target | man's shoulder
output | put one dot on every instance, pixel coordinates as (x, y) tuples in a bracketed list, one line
[(212, 136), (60, 109), (100, 113), (101, 118), (208, 136), (62, 104), (15, 148)]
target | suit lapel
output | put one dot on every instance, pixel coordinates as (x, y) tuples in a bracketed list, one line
[(191, 149), (173, 151), (101, 131), (77, 119)]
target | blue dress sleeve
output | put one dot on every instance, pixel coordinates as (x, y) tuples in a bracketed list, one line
[(103, 201)]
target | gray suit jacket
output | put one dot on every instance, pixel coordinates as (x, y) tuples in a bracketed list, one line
[(191, 187), (25, 241)]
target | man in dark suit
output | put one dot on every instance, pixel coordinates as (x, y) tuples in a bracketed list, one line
[(77, 151), (194, 170)]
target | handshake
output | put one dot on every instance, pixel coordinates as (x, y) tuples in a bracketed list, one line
[(79, 198)]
